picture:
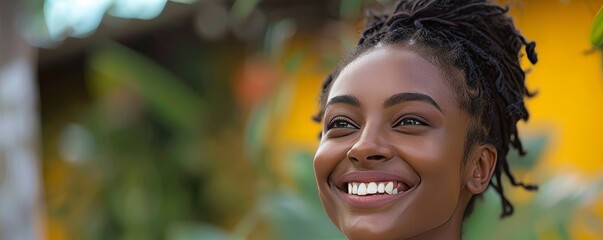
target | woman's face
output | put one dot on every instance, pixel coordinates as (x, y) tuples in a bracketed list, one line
[(389, 164)]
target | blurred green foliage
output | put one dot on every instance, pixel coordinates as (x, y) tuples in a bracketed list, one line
[(157, 145), (161, 170), (548, 212)]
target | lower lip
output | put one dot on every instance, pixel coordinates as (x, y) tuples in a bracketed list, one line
[(368, 201)]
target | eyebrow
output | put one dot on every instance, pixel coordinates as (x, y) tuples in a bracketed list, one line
[(347, 99), (391, 101), (409, 97)]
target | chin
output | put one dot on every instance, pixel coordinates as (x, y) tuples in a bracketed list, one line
[(370, 231), (375, 225), (360, 233)]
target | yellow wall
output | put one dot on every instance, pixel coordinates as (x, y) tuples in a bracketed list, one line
[(569, 82)]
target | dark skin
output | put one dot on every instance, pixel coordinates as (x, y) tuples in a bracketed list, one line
[(391, 116)]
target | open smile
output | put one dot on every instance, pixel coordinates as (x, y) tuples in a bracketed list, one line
[(370, 189)]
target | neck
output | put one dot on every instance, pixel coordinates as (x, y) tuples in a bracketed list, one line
[(452, 228), (449, 230)]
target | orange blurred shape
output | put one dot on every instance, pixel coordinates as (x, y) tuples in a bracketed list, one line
[(255, 82)]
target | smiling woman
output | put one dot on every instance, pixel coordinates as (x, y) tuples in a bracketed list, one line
[(418, 121)]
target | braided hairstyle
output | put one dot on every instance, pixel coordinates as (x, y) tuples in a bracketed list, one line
[(477, 38)]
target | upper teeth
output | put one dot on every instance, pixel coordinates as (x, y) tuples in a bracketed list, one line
[(371, 188)]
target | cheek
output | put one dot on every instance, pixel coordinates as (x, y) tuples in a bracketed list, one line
[(327, 157), (437, 160), (435, 157), (441, 161)]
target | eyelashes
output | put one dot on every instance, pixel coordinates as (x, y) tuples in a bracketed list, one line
[(410, 121), (344, 122), (341, 122)]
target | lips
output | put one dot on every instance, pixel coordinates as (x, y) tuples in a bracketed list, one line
[(367, 189)]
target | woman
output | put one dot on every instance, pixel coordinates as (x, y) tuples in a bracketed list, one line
[(418, 120)]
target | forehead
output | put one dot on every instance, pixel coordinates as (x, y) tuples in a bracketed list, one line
[(388, 70)]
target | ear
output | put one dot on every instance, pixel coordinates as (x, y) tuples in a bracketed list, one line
[(480, 167)]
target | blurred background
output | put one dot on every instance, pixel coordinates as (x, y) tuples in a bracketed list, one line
[(191, 119)]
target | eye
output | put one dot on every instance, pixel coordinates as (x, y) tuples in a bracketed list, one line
[(340, 122), (410, 121)]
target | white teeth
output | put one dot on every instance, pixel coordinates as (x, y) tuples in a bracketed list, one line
[(362, 189), (389, 187), (371, 188)]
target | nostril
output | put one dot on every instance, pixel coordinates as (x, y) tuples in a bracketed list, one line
[(375, 157)]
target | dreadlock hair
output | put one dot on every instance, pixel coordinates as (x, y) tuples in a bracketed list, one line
[(477, 38)]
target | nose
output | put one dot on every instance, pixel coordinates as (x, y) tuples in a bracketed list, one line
[(371, 147)]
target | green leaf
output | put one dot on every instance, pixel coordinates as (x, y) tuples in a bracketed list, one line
[(165, 94), (596, 31), (255, 132)]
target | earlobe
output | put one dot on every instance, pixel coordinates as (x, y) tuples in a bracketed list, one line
[(480, 168)]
